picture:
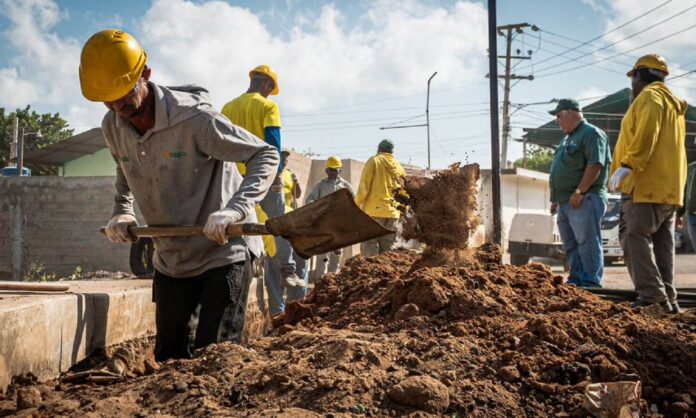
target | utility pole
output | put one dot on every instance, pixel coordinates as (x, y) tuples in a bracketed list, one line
[(20, 151), (495, 135), (507, 32), (427, 116), (13, 144)]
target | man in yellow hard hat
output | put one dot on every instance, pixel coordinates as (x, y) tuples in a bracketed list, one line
[(175, 157), (275, 284), (329, 263), (258, 114), (649, 168), (379, 180), (292, 190)]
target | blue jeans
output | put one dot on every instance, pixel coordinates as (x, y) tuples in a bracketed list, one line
[(582, 240), (276, 285), (691, 218), (273, 204)]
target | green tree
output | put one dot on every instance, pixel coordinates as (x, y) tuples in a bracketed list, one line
[(538, 158), (52, 126)]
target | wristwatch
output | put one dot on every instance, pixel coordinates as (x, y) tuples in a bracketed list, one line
[(578, 191)]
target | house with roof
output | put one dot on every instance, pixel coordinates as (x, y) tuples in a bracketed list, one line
[(606, 114)]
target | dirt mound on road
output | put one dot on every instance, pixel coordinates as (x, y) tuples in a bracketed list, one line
[(448, 332), (385, 338)]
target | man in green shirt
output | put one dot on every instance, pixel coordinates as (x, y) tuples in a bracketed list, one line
[(578, 183)]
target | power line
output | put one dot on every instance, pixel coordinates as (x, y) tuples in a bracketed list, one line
[(603, 34), (289, 130), (320, 113), (622, 53), (391, 98), (556, 53), (621, 40), (594, 65)]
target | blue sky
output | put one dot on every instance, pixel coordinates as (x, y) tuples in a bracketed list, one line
[(349, 67)]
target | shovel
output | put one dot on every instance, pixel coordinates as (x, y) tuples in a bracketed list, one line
[(327, 224)]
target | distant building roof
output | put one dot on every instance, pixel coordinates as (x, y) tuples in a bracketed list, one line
[(413, 170), (606, 114), (61, 152)]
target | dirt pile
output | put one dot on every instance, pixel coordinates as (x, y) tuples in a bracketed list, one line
[(387, 338), (448, 332)]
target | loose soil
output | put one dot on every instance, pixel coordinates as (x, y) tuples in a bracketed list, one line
[(450, 332), (441, 212), (383, 338)]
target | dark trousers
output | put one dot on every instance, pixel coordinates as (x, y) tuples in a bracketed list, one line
[(646, 231), (221, 294)]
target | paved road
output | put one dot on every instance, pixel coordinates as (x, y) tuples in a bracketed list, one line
[(616, 276)]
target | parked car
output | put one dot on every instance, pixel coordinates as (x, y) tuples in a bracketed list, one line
[(534, 235), (613, 252), (610, 231)]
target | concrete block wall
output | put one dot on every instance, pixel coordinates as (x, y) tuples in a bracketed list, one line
[(54, 221)]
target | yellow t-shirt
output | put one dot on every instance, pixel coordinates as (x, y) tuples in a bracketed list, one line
[(254, 113), (268, 240), (288, 182)]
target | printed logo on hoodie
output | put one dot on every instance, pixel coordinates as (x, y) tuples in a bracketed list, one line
[(174, 155)]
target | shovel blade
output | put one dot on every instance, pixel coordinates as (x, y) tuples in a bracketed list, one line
[(328, 224)]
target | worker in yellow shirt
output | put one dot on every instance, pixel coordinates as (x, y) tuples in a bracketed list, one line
[(379, 180), (256, 113), (272, 277), (291, 186), (649, 168)]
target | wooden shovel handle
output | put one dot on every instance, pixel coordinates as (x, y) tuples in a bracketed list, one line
[(189, 231), (33, 287)]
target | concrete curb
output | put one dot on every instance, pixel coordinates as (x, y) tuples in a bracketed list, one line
[(46, 333)]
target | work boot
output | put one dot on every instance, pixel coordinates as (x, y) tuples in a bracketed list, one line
[(293, 280), (665, 305), (676, 309)]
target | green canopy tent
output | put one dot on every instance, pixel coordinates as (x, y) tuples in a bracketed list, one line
[(605, 114)]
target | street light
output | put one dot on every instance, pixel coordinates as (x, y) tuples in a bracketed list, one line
[(427, 116), (427, 120)]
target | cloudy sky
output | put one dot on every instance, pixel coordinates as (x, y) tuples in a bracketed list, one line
[(348, 68)]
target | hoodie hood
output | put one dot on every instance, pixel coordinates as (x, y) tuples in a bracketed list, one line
[(662, 90), (389, 162), (180, 103)]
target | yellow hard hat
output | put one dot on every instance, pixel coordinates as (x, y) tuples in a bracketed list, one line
[(334, 162), (110, 64), (654, 61), (268, 71)]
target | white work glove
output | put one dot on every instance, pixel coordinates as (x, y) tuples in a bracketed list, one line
[(117, 228), (217, 222), (619, 175)]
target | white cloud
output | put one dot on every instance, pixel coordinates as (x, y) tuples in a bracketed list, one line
[(15, 91), (43, 73), (590, 91), (595, 6), (671, 48), (321, 60), (395, 48)]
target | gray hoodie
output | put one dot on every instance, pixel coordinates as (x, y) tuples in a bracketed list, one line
[(182, 170)]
